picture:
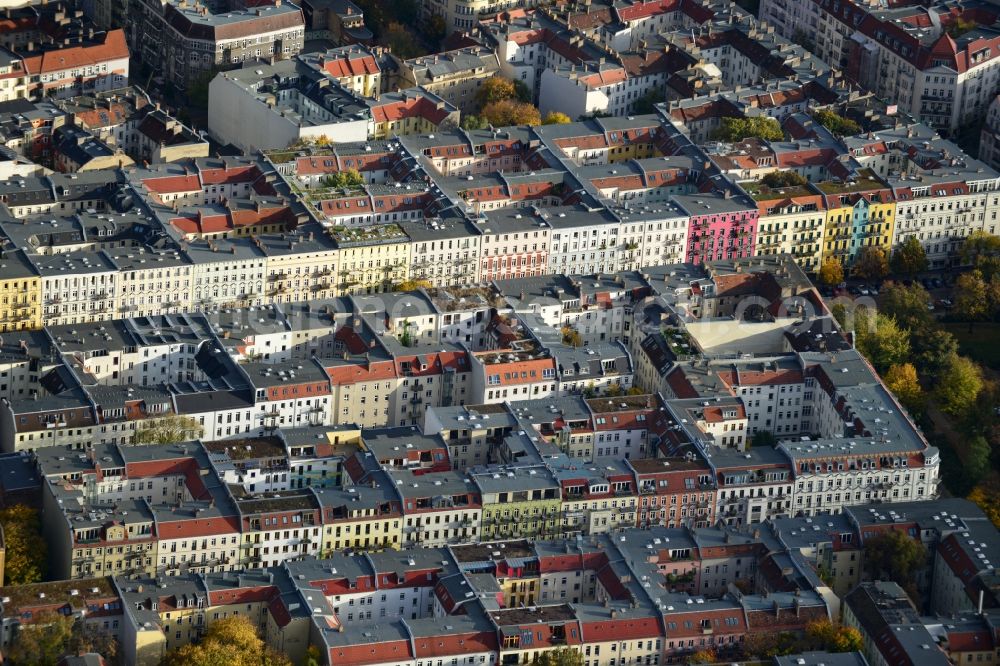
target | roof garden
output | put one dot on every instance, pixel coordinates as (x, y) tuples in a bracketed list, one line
[(368, 235), (865, 181), (71, 592), (761, 192)]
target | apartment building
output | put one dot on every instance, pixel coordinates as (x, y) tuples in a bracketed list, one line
[(185, 42)]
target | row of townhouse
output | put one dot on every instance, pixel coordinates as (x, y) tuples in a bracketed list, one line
[(539, 469), (583, 198), (921, 59), (499, 602), (52, 51), (662, 593), (878, 189)]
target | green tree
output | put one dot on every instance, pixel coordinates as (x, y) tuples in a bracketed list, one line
[(958, 385), (564, 656), (556, 118), (902, 380), (882, 341), (836, 123), (826, 636), (437, 29), (831, 272), (231, 641), (509, 112), (981, 250), (571, 337), (412, 285), (893, 555), (971, 301), (500, 88), (907, 305), (932, 347), (348, 179), (960, 26), (986, 496), (647, 103), (703, 656), (313, 656), (776, 179), (909, 258), (168, 430), (26, 548), (763, 438), (401, 40), (43, 641), (473, 122), (977, 459), (839, 312), (767, 645), (870, 264), (197, 89), (993, 297), (737, 129)]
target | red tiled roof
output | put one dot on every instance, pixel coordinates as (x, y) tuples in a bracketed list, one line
[(349, 67), (72, 57)]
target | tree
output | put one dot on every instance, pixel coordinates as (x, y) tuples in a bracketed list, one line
[(401, 41), (893, 555), (871, 264), (777, 179), (571, 337), (473, 122), (977, 458), (613, 391), (313, 656), (767, 645), (197, 88), (43, 641), (167, 430), (839, 312), (412, 285), (882, 341), (902, 380), (831, 272), (981, 250), (763, 438), (987, 497), (829, 637), (971, 301), (437, 29), (958, 385), (500, 88), (509, 112), (960, 26), (703, 656), (837, 124), (932, 347), (993, 297), (647, 103), (737, 129), (564, 656), (26, 548), (907, 305), (349, 179), (231, 641), (556, 118), (909, 258)]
